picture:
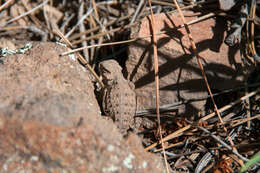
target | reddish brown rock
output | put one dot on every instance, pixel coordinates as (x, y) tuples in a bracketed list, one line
[(180, 75), (55, 123), (37, 147), (41, 85)]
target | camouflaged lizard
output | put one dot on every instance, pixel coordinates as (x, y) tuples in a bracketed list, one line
[(119, 98)]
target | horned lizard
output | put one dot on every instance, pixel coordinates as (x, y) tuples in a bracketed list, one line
[(119, 98)]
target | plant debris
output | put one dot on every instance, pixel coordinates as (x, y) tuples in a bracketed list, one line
[(98, 30)]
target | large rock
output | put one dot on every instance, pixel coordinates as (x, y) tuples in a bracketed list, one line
[(180, 75), (38, 147), (50, 120), (40, 85)]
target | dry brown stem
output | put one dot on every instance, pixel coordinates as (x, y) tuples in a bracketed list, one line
[(156, 72)]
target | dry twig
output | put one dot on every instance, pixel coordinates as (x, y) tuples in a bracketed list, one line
[(125, 41), (202, 71), (156, 72), (28, 12), (180, 131), (6, 4), (81, 59), (223, 143)]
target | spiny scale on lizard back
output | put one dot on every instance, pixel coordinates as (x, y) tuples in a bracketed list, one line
[(120, 104)]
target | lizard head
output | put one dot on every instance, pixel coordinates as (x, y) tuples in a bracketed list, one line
[(109, 70)]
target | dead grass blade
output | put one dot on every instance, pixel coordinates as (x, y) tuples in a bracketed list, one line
[(202, 72), (6, 4), (180, 131), (81, 59), (28, 12), (156, 72)]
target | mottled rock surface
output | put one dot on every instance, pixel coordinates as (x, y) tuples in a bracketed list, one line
[(180, 75), (40, 85), (41, 148), (50, 120)]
